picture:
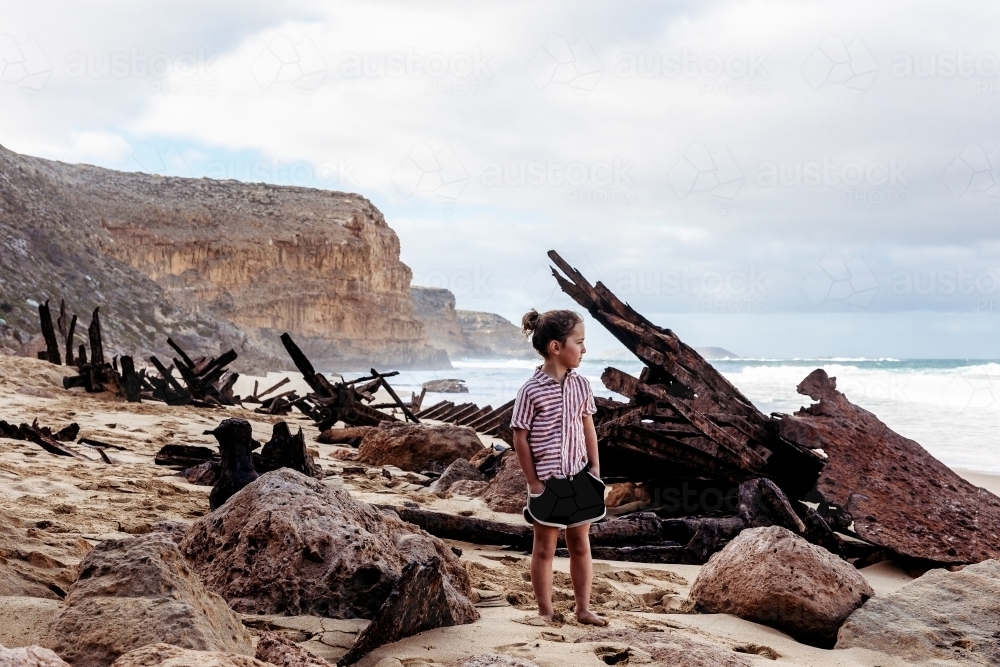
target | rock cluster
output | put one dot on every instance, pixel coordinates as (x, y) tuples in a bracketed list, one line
[(134, 592), (772, 576), (289, 544), (413, 446)]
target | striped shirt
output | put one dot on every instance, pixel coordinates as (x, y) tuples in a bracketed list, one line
[(553, 416)]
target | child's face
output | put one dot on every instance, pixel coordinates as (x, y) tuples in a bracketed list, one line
[(570, 352)]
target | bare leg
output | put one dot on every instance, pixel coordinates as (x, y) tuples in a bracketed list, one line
[(542, 553), (581, 572)]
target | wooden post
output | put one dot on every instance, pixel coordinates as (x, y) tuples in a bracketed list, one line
[(96, 344), (51, 346)]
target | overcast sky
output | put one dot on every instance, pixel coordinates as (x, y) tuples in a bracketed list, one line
[(781, 179)]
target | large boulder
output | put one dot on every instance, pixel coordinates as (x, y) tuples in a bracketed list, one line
[(772, 576), (942, 615), (30, 656), (508, 490), (166, 655), (289, 544), (139, 591), (413, 446), (422, 600)]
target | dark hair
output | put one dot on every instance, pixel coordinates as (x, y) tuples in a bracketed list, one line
[(548, 326)]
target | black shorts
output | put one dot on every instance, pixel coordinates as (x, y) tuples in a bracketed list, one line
[(567, 502)]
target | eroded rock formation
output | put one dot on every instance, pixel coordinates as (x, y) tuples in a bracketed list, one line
[(467, 333), (212, 263)]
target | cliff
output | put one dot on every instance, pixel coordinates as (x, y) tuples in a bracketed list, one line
[(467, 333), (213, 263)]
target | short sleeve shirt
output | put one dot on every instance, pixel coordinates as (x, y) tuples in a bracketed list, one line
[(552, 413)]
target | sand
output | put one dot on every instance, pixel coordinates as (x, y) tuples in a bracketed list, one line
[(56, 508)]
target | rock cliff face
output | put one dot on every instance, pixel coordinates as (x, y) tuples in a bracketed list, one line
[(467, 333), (214, 263)]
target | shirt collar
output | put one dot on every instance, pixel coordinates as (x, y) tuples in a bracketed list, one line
[(541, 377)]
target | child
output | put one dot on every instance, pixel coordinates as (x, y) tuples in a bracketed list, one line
[(555, 442)]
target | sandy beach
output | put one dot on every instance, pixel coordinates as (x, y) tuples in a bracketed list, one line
[(55, 509)]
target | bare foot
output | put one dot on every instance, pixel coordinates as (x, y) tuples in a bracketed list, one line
[(590, 618), (545, 617)]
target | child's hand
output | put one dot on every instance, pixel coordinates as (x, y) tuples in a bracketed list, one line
[(536, 487)]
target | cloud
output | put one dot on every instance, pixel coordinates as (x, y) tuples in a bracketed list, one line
[(702, 141)]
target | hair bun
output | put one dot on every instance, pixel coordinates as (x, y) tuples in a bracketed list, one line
[(530, 321)]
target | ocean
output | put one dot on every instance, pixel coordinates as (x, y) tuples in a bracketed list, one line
[(951, 407)]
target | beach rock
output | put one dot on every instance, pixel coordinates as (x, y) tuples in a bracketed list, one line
[(134, 592), (421, 600), (446, 386), (468, 487), (289, 544), (175, 530), (413, 446), (666, 648), (508, 490), (285, 450), (626, 493), (203, 474), (943, 615), (459, 470), (30, 656), (236, 443), (283, 652), (351, 435), (772, 576), (166, 655)]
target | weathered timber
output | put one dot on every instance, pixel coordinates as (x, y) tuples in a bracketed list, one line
[(49, 334), (98, 444), (184, 456), (264, 393), (899, 496), (395, 397), (686, 389), (96, 340), (465, 528), (285, 450), (33, 434), (432, 411), (131, 383), (664, 552), (236, 443)]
